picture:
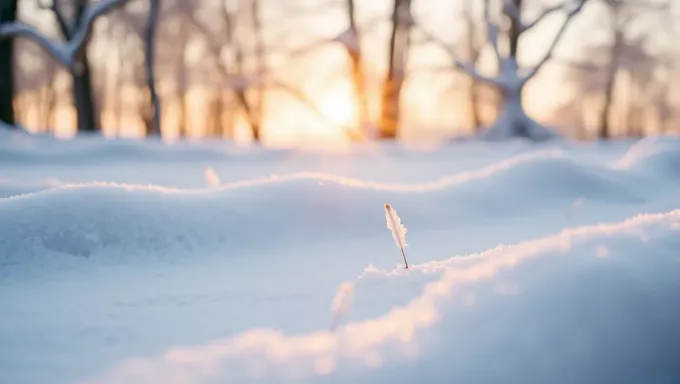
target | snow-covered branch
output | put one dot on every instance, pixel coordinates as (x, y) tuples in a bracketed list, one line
[(19, 29), (64, 53), (570, 15)]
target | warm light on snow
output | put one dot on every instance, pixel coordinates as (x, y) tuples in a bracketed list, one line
[(342, 302)]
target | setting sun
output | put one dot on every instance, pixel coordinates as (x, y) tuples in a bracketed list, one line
[(337, 105)]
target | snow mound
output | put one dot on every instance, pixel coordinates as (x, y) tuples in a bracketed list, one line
[(564, 178), (662, 162), (502, 131), (129, 219), (556, 294), (661, 149)]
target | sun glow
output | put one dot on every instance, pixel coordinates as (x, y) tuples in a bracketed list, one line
[(332, 125), (339, 108)]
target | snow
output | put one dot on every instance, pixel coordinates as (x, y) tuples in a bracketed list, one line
[(121, 262)]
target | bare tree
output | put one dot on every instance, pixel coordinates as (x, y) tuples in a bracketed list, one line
[(87, 112), (180, 71), (245, 83), (511, 80), (233, 72), (260, 69), (624, 53), (474, 44), (73, 53), (397, 60), (622, 14), (619, 23), (8, 14), (149, 53), (351, 41), (664, 109)]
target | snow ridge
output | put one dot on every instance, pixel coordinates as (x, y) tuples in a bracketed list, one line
[(443, 182), (259, 354)]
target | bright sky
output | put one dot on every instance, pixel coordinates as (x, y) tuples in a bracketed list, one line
[(430, 100)]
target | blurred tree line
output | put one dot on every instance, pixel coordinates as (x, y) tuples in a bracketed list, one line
[(118, 63)]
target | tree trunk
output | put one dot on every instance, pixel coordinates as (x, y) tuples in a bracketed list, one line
[(513, 114), (359, 81), (149, 52), (220, 130), (182, 112), (399, 41), (82, 96), (8, 13), (473, 55), (513, 120), (258, 108), (358, 76), (47, 102), (515, 31), (604, 129), (117, 107), (474, 105)]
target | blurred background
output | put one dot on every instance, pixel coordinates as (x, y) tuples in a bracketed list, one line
[(287, 72)]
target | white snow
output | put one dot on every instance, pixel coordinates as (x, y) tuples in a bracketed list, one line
[(119, 265)]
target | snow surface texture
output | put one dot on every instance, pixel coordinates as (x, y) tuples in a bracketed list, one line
[(124, 262)]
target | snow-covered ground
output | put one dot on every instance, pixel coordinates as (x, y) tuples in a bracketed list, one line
[(125, 262)]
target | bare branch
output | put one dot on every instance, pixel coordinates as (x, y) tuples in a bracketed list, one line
[(468, 68), (579, 65), (238, 83), (545, 13), (570, 16), (19, 29)]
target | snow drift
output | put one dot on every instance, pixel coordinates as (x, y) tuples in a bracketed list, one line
[(90, 217), (549, 309)]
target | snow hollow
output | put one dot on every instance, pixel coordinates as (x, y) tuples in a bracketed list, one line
[(134, 262)]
